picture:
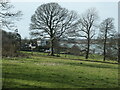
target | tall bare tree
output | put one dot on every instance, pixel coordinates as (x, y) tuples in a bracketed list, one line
[(107, 30), (52, 20), (86, 27)]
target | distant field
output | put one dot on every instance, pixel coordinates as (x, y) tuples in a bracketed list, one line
[(52, 72)]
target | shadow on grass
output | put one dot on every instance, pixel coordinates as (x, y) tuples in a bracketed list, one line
[(38, 77), (55, 79), (51, 80), (14, 84), (91, 65)]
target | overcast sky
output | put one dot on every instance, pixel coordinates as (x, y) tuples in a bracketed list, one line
[(105, 10)]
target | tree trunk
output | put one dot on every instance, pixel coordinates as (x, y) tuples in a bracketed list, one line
[(88, 48), (52, 48), (104, 54), (104, 50)]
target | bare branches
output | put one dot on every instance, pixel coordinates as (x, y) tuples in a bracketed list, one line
[(107, 26), (53, 20), (86, 27), (6, 17), (106, 31)]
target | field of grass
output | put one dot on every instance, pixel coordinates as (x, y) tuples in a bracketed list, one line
[(52, 72)]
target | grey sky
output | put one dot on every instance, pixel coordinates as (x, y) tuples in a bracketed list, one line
[(105, 9)]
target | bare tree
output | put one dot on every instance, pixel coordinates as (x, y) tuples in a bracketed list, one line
[(107, 30), (7, 16), (86, 27), (53, 20), (10, 44)]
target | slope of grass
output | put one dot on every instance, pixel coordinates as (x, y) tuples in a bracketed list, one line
[(50, 72), (92, 57)]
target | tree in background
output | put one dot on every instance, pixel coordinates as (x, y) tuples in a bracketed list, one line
[(53, 20), (8, 17), (10, 41), (25, 44), (112, 48), (86, 27), (107, 31)]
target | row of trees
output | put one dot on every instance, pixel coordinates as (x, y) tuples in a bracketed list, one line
[(56, 22), (53, 21)]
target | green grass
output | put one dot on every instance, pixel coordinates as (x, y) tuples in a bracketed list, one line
[(92, 57), (52, 72)]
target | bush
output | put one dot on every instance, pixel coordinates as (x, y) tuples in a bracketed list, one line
[(10, 44)]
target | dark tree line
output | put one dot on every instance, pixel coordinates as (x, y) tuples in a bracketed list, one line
[(10, 44)]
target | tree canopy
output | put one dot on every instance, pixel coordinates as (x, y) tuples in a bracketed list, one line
[(53, 20)]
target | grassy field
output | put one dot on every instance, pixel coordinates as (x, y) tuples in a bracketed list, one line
[(52, 72)]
